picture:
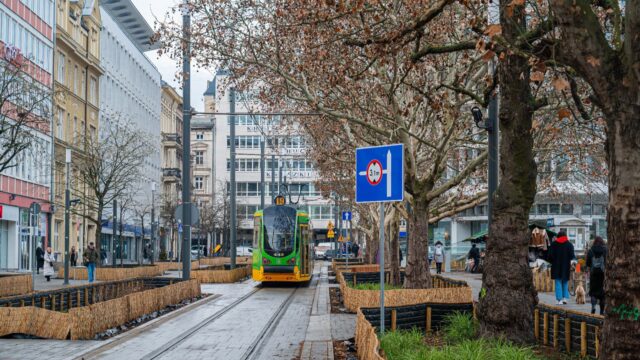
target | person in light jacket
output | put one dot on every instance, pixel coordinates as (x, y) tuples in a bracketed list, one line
[(438, 256), (48, 264)]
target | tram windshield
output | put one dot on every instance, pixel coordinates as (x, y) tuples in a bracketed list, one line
[(279, 230)]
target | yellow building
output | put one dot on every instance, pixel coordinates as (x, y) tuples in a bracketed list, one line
[(77, 74)]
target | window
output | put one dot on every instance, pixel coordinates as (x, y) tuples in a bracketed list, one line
[(59, 124), (566, 209), (554, 209), (199, 158), (543, 209), (586, 209), (199, 136), (93, 91), (83, 84), (599, 209), (75, 79), (61, 69), (199, 182)]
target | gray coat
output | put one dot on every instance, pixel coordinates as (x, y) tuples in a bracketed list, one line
[(438, 256), (49, 259)]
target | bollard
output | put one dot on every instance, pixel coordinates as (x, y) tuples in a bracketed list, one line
[(428, 325), (393, 320)]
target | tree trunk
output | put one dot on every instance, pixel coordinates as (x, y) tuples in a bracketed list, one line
[(373, 243), (99, 234), (417, 275), (508, 298), (622, 274), (394, 250)]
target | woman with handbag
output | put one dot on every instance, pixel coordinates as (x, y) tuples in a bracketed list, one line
[(49, 259)]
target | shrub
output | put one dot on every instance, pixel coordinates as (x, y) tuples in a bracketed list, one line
[(459, 327), (373, 286)]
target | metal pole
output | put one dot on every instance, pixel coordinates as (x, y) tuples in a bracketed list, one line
[(67, 204), (112, 248), (186, 146), (232, 176), (153, 217), (493, 154), (261, 173), (34, 262), (280, 166), (381, 257), (273, 177), (335, 238)]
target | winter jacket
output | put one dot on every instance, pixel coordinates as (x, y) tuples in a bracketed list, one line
[(596, 285), (560, 256), (438, 254), (40, 256), (90, 255), (49, 259)]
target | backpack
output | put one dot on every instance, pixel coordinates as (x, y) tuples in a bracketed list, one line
[(597, 263)]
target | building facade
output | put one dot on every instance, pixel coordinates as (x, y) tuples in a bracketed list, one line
[(171, 158), (26, 43), (293, 170), (131, 91)]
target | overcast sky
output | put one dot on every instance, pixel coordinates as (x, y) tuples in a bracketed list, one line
[(152, 9)]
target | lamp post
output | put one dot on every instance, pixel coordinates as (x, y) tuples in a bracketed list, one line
[(67, 204), (153, 224), (186, 141), (492, 127)]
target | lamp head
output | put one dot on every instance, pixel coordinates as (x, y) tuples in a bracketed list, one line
[(477, 115)]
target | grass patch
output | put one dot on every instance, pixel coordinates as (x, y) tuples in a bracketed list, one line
[(373, 286), (409, 345), (459, 327)]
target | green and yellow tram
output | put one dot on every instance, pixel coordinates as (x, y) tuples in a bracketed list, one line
[(282, 246)]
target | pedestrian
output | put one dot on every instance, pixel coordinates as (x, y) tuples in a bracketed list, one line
[(438, 256), (39, 258), (400, 255), (596, 260), (355, 248), (74, 256), (90, 257), (474, 253), (103, 256), (561, 255), (49, 259)]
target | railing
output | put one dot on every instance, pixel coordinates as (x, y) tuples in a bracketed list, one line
[(172, 137), (568, 331), (171, 172)]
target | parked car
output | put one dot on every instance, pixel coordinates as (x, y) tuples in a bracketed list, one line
[(329, 254), (321, 248)]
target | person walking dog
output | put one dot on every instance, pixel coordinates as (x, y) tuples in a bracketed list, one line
[(561, 255)]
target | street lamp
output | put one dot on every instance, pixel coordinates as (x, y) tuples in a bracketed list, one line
[(491, 125), (153, 217), (67, 205)]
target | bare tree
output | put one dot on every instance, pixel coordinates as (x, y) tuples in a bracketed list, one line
[(25, 106), (141, 210), (112, 165)]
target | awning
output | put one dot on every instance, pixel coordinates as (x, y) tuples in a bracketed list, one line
[(478, 237)]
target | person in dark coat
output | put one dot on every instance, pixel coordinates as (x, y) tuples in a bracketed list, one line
[(474, 253), (354, 249), (561, 255), (39, 258), (596, 260), (74, 256)]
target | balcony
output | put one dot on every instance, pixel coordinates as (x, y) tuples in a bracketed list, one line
[(172, 140), (171, 175)]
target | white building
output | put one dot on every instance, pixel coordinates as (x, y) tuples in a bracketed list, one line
[(131, 86), (212, 168)]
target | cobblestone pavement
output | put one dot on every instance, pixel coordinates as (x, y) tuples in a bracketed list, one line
[(304, 330), (548, 298)]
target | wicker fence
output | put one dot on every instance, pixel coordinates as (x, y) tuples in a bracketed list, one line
[(113, 273), (542, 281), (568, 331), (221, 276), (81, 312), (15, 284), (426, 317), (451, 291)]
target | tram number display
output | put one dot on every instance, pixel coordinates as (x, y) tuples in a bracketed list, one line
[(280, 200)]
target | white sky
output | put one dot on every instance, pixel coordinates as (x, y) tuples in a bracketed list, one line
[(152, 9)]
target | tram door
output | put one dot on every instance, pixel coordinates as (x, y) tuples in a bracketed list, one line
[(304, 249)]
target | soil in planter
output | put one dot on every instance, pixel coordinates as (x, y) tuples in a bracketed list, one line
[(146, 318), (345, 349), (337, 307)]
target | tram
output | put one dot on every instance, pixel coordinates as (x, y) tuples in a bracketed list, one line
[(282, 246)]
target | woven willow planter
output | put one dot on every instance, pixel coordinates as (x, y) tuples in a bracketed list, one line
[(15, 284)]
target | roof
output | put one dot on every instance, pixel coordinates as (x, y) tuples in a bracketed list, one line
[(211, 88), (127, 16)]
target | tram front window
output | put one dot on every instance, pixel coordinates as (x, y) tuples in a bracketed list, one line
[(279, 230)]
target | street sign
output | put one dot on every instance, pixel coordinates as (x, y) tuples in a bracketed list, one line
[(380, 173), (346, 215), (180, 228), (195, 213), (331, 234), (550, 222), (341, 239), (330, 225)]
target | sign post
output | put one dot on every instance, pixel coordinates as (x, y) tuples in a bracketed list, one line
[(34, 224), (380, 178)]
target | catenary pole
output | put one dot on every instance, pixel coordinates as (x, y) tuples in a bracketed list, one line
[(186, 146), (232, 176), (273, 178), (261, 173), (67, 205)]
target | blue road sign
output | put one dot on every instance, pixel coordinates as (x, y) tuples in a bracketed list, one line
[(346, 215), (550, 222), (179, 227), (380, 173)]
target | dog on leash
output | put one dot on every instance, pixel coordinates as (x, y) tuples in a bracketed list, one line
[(580, 294)]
